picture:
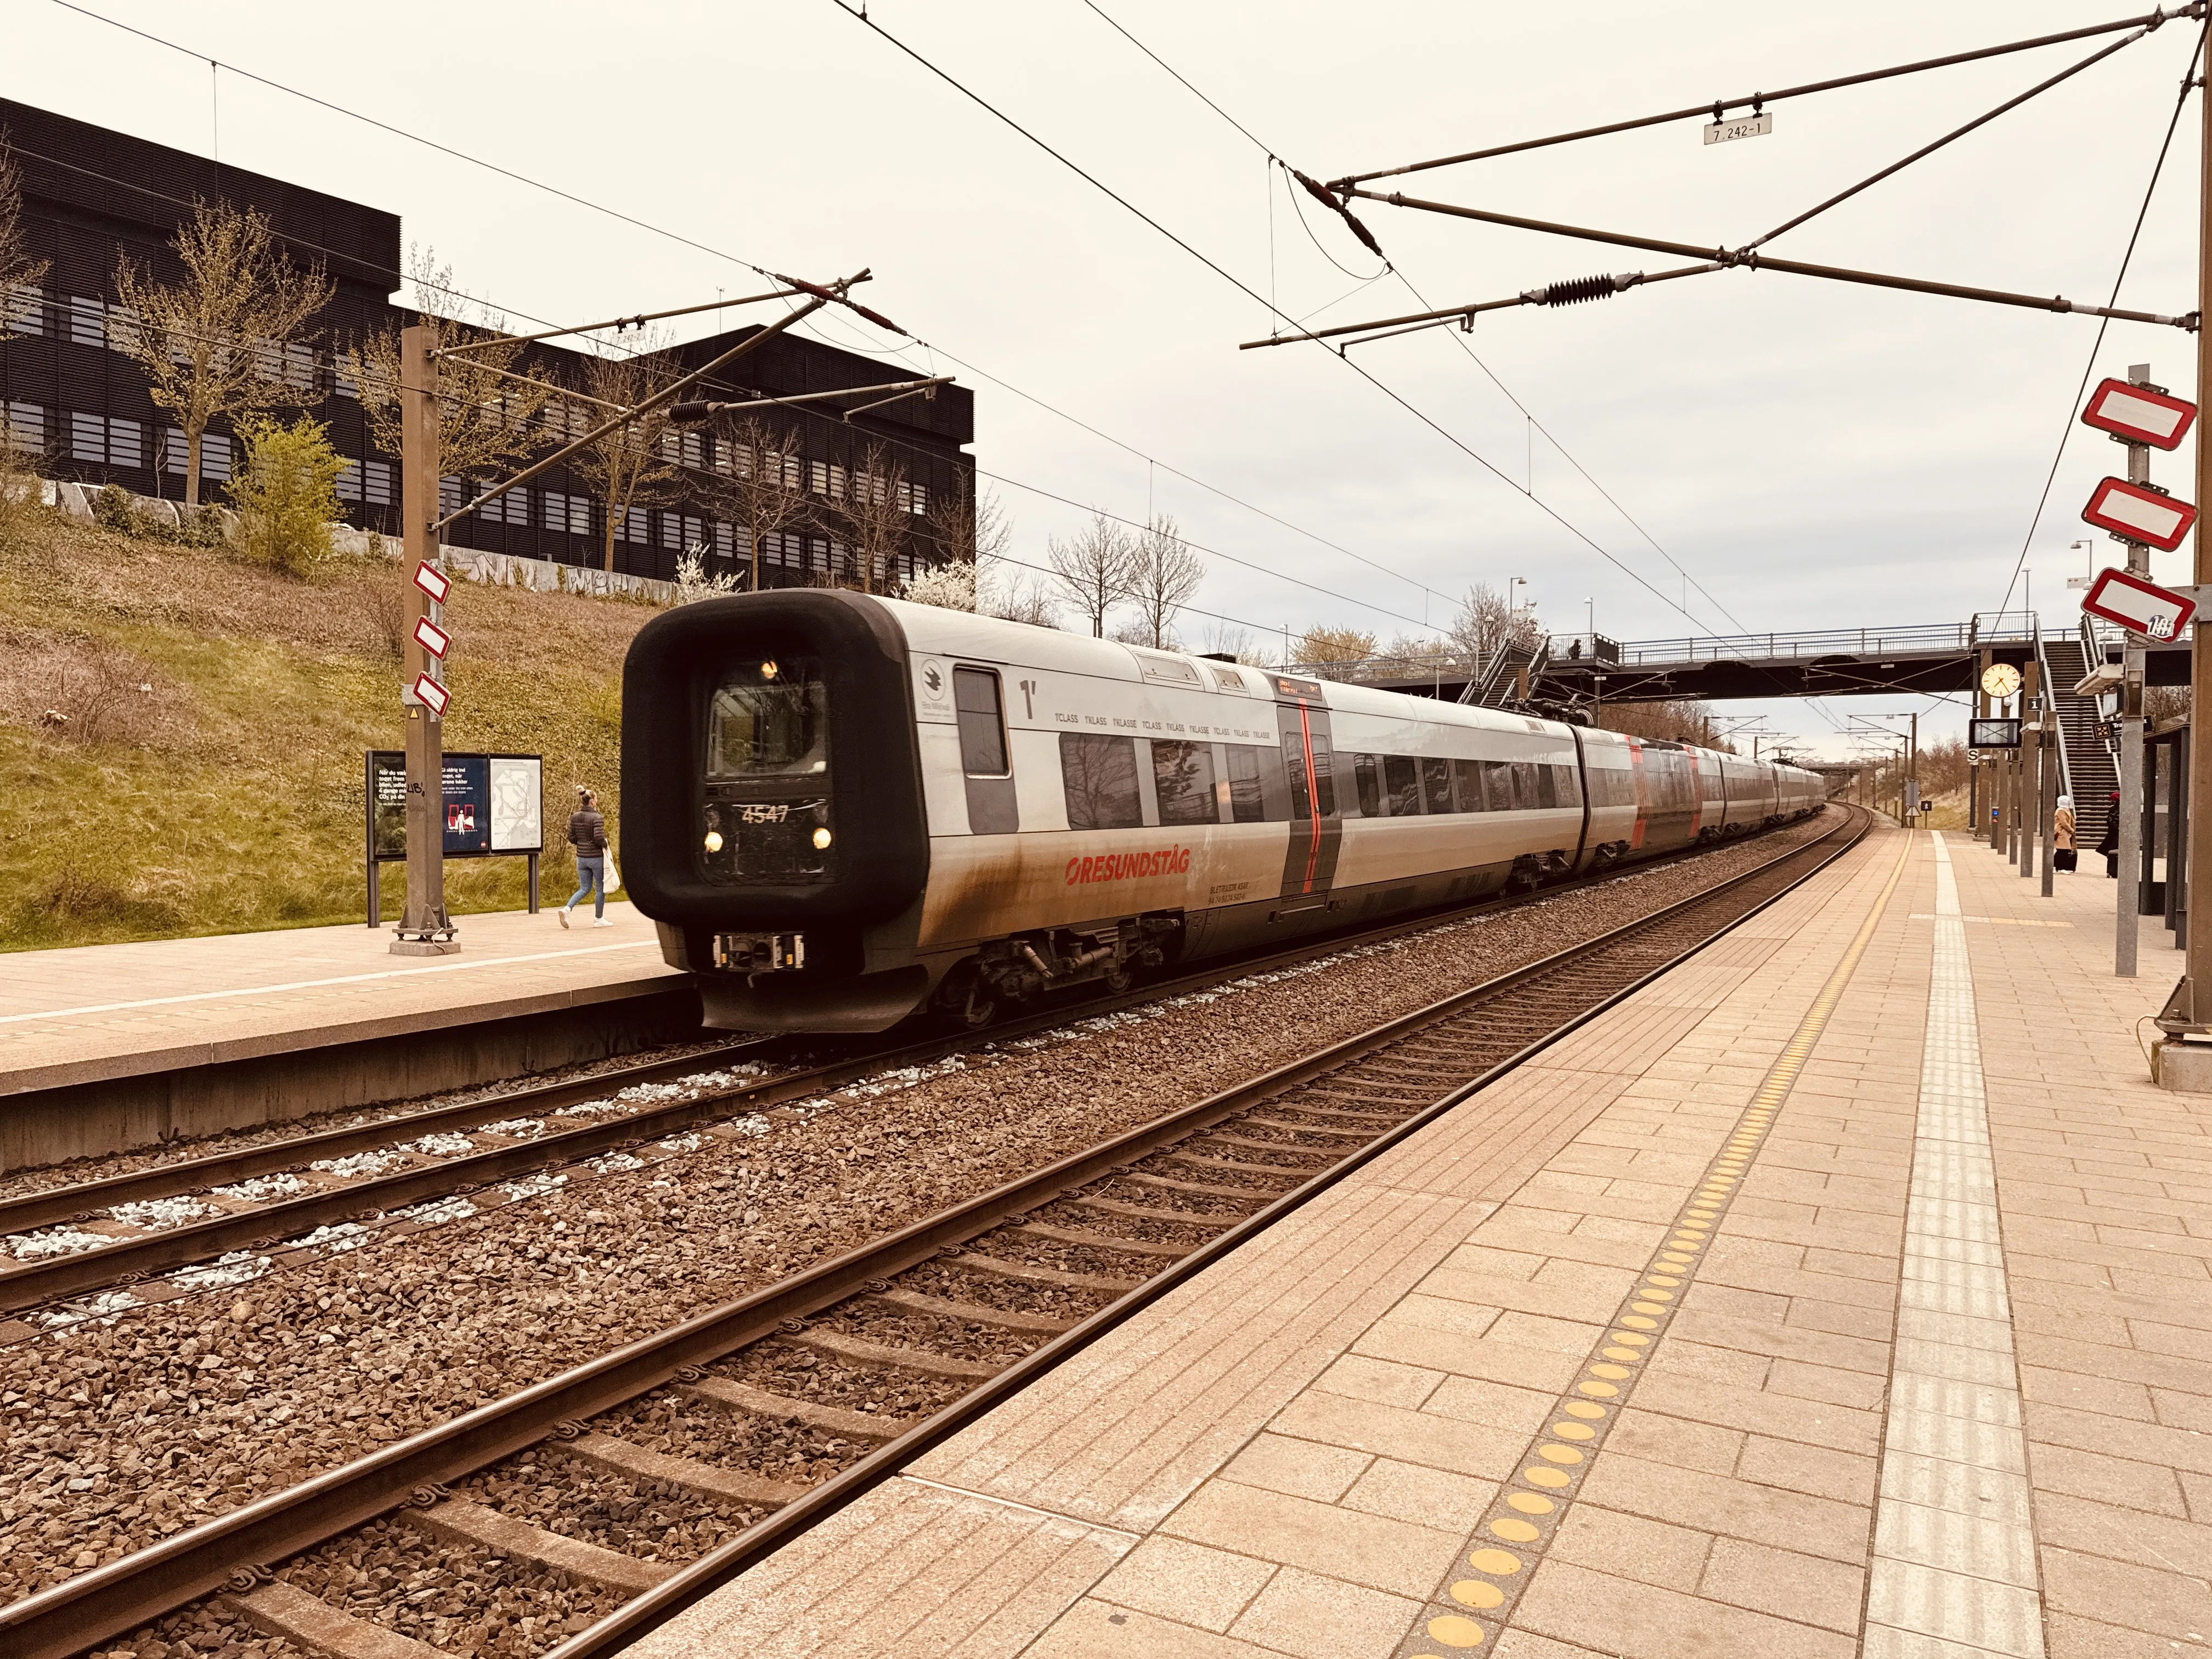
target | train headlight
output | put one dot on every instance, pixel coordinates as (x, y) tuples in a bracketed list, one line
[(713, 841), (768, 671), (822, 837)]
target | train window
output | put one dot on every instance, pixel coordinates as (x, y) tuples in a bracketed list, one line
[(1099, 777), (1544, 792), (1365, 768), (769, 720), (1403, 774), (1435, 783), (1564, 787), (1467, 784), (1322, 774), (1183, 774), (1246, 804), (982, 727)]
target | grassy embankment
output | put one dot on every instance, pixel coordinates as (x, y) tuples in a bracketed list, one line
[(181, 732)]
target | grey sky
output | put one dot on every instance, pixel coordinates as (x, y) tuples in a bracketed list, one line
[(1813, 455)]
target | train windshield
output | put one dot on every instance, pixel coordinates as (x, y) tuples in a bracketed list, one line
[(769, 720)]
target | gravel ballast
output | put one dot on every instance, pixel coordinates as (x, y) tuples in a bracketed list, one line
[(122, 1429)]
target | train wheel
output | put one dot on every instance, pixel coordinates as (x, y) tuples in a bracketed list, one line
[(1117, 978), (980, 1007)]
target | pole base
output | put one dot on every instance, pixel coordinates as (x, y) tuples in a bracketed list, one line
[(426, 947), (2184, 1068), (2177, 1018)]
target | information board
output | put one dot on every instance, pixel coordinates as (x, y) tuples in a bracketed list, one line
[(492, 804), (1993, 734)]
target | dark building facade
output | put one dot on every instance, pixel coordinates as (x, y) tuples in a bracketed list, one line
[(92, 197)]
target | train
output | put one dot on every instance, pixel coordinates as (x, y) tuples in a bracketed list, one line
[(841, 810)]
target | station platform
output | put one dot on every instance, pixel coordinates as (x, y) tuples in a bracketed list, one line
[(1843, 1292), (109, 1046)]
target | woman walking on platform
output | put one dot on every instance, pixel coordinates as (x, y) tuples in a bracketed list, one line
[(587, 834), (2063, 855)]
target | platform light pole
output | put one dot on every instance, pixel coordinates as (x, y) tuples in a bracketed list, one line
[(424, 928), (2196, 1005)]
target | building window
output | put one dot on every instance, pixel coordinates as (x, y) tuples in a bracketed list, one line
[(571, 514), (725, 540), (633, 529), (22, 309), (453, 495), (23, 426), (514, 507), (681, 531), (107, 443), (87, 320)]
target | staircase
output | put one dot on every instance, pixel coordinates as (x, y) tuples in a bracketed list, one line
[(2090, 773), (1495, 690)]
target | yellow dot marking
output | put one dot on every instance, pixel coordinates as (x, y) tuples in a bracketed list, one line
[(1583, 1408), (1602, 1390), (1455, 1632), (1660, 1278), (1504, 1563), (1630, 1338), (1620, 1354), (1512, 1531), (1649, 1307), (1659, 1296), (1636, 1322), (1676, 1259), (1530, 1502), (1574, 1431), (1474, 1592), (1552, 1477), (1559, 1454), (1615, 1372), (1685, 1241)]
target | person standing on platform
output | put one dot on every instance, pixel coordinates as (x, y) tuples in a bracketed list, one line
[(2109, 844), (2063, 858), (587, 834)]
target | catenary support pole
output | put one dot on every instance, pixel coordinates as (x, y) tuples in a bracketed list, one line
[(424, 928), (2031, 708), (2047, 809), (2196, 1005)]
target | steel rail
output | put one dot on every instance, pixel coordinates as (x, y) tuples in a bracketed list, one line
[(105, 1602), (131, 1260)]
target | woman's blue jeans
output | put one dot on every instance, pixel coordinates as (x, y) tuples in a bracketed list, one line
[(591, 879)]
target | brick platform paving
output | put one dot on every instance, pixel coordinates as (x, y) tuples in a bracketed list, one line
[(1677, 1343), (91, 1012)]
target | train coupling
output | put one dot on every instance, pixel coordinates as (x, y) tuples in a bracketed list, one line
[(760, 953)]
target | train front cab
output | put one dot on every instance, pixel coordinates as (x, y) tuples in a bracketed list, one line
[(772, 822)]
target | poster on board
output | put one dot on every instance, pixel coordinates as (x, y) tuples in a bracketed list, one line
[(491, 805)]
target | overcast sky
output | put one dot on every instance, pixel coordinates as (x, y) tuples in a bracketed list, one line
[(1812, 454)]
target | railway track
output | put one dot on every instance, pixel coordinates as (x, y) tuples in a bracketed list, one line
[(125, 1231), (789, 1402)]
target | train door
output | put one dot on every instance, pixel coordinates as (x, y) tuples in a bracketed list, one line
[(1309, 770)]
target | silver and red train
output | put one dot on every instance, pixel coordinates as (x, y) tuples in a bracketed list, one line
[(840, 810)]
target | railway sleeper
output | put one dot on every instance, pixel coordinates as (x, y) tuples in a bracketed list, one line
[(1005, 1319), (710, 1482), (1256, 1121), (460, 1521), (1238, 1166), (977, 1262), (1203, 1188), (305, 1620), (860, 1352), (1140, 1213), (731, 1395), (1275, 1147), (1104, 1241)]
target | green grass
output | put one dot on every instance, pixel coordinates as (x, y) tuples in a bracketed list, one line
[(228, 797)]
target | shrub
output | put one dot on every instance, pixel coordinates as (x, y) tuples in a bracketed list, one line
[(287, 493), (112, 510)]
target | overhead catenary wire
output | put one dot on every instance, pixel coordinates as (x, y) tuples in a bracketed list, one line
[(2189, 80), (682, 240), (1244, 288), (1718, 107)]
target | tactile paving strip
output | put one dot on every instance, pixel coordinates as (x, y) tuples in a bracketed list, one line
[(1477, 1600)]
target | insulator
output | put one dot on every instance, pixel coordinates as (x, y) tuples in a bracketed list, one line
[(1581, 289)]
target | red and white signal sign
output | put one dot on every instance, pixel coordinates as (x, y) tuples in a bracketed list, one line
[(2140, 607), (2139, 415), (2136, 514), (431, 694), (432, 581), (431, 637)]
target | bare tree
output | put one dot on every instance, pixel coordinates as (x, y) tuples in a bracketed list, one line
[(1094, 569), (228, 340), (1164, 572), (18, 270), (876, 514), (968, 528), (758, 486), (1678, 720), (1019, 597), (1322, 648), (486, 421), (1488, 621), (628, 467)]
